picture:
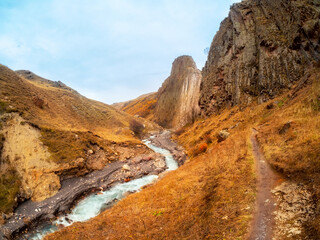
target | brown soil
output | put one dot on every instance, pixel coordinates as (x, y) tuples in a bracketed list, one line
[(263, 220)]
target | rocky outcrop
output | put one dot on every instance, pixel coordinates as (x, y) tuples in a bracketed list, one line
[(178, 97), (296, 207), (262, 47), (176, 102), (23, 150)]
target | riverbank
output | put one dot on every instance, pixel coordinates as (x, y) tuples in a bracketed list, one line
[(163, 140), (31, 214)]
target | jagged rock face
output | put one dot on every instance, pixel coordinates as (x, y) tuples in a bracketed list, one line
[(262, 47), (178, 97)]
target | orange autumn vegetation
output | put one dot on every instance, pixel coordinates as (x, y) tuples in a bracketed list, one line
[(199, 149), (142, 106), (212, 195)]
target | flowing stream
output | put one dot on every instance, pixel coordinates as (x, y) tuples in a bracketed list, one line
[(94, 204)]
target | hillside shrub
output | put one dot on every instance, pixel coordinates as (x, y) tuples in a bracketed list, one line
[(136, 127), (201, 148), (3, 107), (207, 138), (179, 131)]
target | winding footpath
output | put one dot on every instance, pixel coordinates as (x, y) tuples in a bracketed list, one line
[(266, 204)]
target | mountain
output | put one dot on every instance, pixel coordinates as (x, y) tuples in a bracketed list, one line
[(49, 133), (176, 102), (262, 47)]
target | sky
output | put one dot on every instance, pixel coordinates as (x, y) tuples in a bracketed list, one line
[(107, 50)]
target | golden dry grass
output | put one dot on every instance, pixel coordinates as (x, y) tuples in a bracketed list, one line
[(142, 106), (296, 152), (210, 197), (63, 108)]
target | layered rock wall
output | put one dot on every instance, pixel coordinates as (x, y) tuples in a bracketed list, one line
[(178, 97), (262, 47)]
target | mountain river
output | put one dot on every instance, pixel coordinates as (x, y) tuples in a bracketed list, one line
[(94, 204)]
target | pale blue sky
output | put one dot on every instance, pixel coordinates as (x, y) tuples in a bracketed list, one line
[(108, 50)]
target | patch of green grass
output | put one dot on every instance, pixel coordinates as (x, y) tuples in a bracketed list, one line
[(157, 213), (282, 102), (9, 188)]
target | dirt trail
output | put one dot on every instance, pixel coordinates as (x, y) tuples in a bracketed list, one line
[(263, 221)]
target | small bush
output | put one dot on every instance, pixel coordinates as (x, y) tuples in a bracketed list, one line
[(201, 148), (136, 127), (207, 138), (179, 131)]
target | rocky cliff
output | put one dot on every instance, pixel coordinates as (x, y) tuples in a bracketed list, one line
[(262, 47), (178, 96), (176, 102)]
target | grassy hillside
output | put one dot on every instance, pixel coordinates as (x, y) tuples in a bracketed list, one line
[(212, 195), (53, 105), (142, 106), (54, 127)]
